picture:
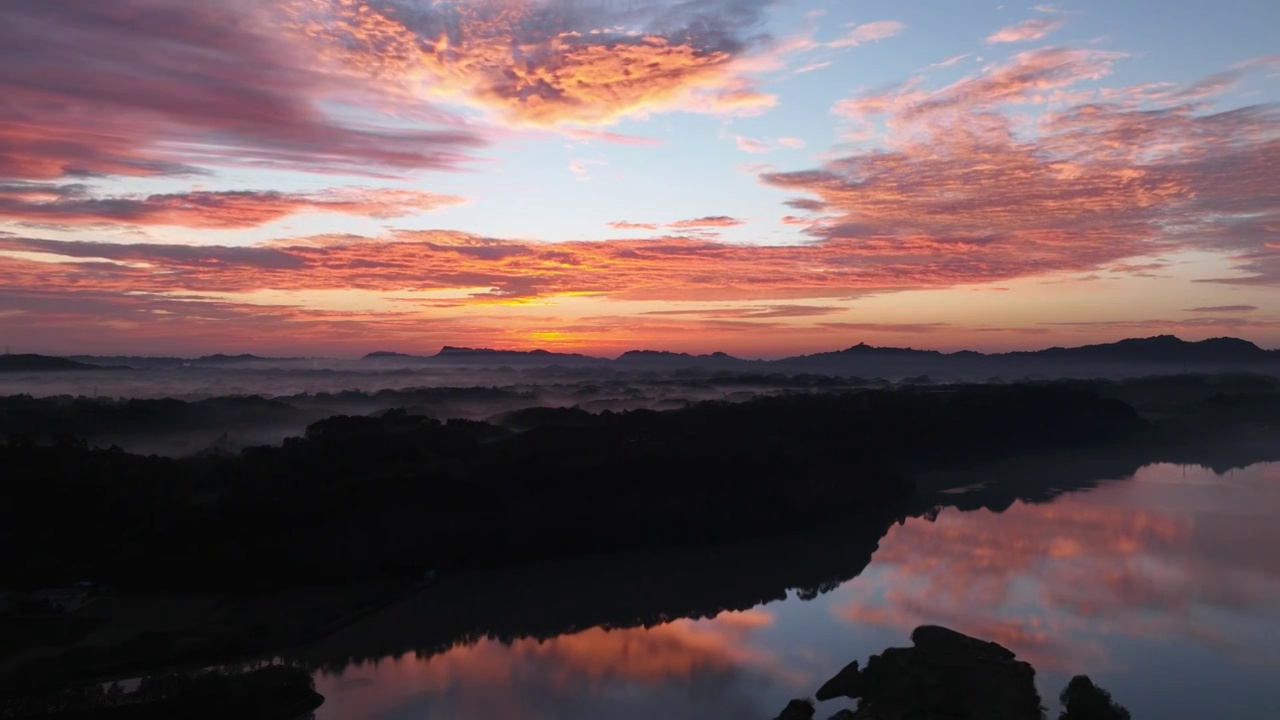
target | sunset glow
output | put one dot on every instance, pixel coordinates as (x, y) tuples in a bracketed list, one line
[(760, 177)]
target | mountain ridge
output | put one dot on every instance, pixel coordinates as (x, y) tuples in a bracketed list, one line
[(1158, 351)]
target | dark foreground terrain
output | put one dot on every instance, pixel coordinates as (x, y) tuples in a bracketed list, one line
[(363, 499), (291, 543), (268, 693)]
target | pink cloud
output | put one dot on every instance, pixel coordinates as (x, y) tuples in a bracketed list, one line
[(624, 225), (590, 134), (754, 146), (868, 33), (1025, 31), (710, 221), (76, 205), (949, 62), (1087, 184), (149, 87), (811, 67), (751, 145)]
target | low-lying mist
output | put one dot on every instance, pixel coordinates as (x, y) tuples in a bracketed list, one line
[(177, 409), (183, 411)]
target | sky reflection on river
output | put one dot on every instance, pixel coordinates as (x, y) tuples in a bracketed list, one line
[(1165, 588)]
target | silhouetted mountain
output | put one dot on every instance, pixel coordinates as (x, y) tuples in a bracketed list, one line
[(865, 349), (131, 361), (1135, 356), (1162, 348), (1130, 357), (146, 361), (486, 356), (33, 363), (662, 360), (243, 357)]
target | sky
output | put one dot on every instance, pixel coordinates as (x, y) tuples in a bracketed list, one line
[(760, 177)]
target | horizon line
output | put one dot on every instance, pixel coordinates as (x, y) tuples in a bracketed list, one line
[(585, 354)]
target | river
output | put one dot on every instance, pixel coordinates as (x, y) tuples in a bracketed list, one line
[(1164, 587)]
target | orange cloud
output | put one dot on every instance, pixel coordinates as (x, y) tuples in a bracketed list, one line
[(75, 205), (547, 65)]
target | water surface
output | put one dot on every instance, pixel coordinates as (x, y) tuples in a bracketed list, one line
[(1163, 587)]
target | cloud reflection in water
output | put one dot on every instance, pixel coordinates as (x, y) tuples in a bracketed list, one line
[(1159, 586)]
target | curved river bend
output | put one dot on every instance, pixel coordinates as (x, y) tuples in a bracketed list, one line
[(1164, 587)]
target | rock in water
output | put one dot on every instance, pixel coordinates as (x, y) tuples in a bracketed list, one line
[(937, 640), (846, 683), (947, 675), (796, 710)]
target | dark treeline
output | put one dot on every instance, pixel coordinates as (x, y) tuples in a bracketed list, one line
[(103, 421), (360, 498), (185, 426)]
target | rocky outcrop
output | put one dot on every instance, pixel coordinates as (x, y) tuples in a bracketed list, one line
[(1082, 700), (796, 710), (946, 676), (846, 683)]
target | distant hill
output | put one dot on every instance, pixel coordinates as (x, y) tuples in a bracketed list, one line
[(632, 360), (144, 361), (1162, 348), (1161, 354), (41, 363), (464, 354), (133, 361), (219, 358), (1154, 355), (863, 350), (662, 360), (488, 357)]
